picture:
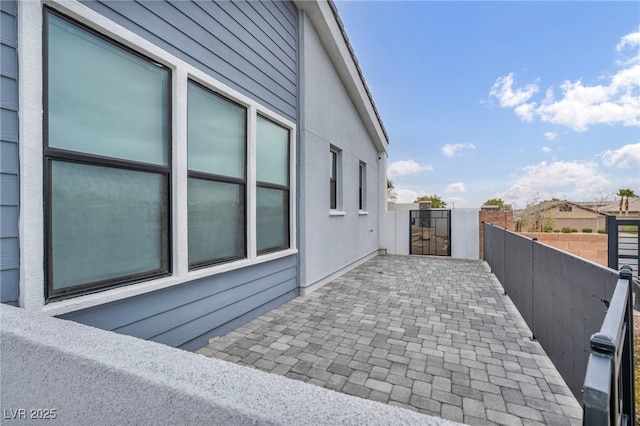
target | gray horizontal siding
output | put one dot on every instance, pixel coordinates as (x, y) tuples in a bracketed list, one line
[(253, 48), (9, 183), (250, 46), (188, 314)]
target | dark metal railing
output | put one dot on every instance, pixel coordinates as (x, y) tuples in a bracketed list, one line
[(608, 392)]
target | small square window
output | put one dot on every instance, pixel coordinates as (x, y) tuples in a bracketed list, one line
[(333, 180), (362, 187)]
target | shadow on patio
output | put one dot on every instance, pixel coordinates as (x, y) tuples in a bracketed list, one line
[(434, 335)]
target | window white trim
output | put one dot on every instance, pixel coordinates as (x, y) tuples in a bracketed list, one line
[(32, 254), (252, 245), (31, 220), (180, 231)]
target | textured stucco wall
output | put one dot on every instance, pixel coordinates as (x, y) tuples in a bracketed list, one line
[(91, 376), (402, 206), (332, 243), (398, 232), (465, 239)]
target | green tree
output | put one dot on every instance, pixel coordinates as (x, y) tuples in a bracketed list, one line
[(622, 193), (535, 217), (436, 201), (497, 202)]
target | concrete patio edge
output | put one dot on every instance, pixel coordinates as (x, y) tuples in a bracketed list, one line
[(90, 376)]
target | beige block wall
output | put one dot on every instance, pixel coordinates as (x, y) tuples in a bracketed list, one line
[(579, 223), (589, 246)]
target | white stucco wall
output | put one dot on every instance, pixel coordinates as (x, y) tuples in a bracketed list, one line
[(398, 232), (465, 234), (330, 244), (80, 375), (403, 206)]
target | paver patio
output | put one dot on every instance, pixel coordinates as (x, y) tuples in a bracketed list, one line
[(434, 335)]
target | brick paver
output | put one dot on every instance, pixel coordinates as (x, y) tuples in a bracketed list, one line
[(434, 335)]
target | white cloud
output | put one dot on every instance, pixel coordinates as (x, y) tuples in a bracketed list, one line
[(502, 89), (546, 149), (525, 111), (449, 150), (550, 136), (455, 187), (632, 41), (579, 106), (408, 196), (627, 156), (407, 168), (570, 179), (456, 202)]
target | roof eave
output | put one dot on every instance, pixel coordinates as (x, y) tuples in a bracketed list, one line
[(327, 23)]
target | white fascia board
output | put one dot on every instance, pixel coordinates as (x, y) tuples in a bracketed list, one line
[(326, 25)]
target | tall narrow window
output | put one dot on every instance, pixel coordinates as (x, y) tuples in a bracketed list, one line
[(107, 161), (272, 197), (333, 180), (362, 186), (216, 184)]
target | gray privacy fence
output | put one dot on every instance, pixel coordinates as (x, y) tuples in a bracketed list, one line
[(559, 295)]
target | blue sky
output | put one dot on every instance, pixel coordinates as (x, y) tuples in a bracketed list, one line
[(510, 99)]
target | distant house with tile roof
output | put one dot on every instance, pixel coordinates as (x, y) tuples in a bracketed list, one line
[(613, 207), (558, 214)]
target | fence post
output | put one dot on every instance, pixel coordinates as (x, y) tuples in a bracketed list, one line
[(628, 389), (533, 275), (612, 242)]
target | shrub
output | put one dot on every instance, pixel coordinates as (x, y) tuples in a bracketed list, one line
[(566, 230), (548, 228), (630, 228), (602, 231), (574, 230), (556, 230), (587, 230)]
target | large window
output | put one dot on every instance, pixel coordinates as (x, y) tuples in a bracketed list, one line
[(272, 197), (107, 161), (216, 187), (123, 202)]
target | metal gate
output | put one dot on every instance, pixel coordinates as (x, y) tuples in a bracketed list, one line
[(624, 243), (624, 249), (430, 232)]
